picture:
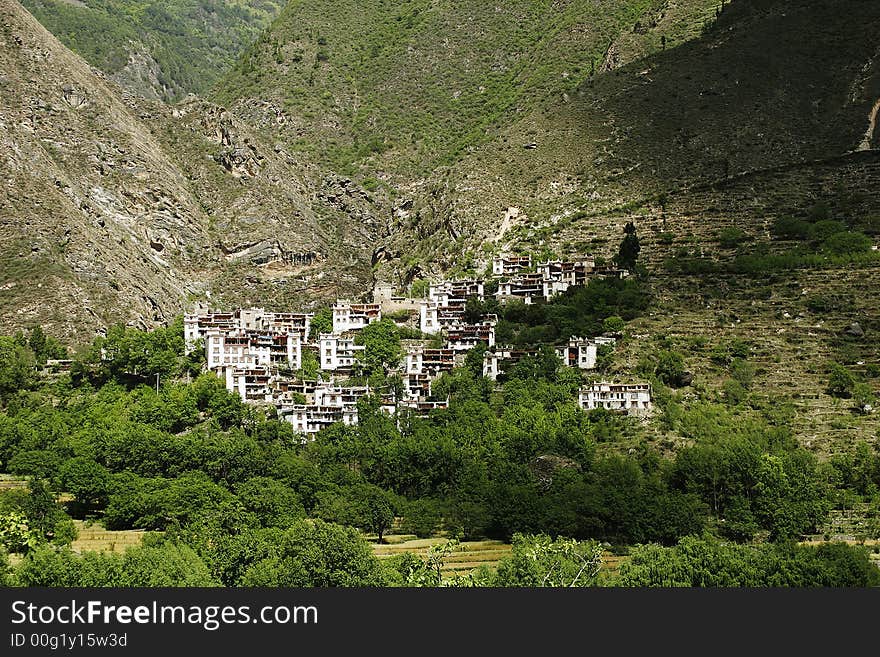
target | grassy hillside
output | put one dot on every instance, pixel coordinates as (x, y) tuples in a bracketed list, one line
[(163, 48), (407, 86), (768, 85)]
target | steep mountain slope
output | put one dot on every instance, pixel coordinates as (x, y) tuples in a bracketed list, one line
[(493, 126), (759, 111), (162, 49), (766, 115), (86, 192), (772, 83), (116, 209), (394, 89)]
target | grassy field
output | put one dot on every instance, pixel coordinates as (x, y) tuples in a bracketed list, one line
[(10, 482), (94, 538)]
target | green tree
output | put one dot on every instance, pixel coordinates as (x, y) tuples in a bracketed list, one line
[(419, 288), (315, 553), (840, 381), (845, 243), (86, 480), (539, 561), (160, 564), (790, 500), (273, 503), (863, 396), (382, 346), (310, 366), (629, 249), (46, 516), (670, 367), (37, 344), (731, 237), (613, 324), (322, 322), (16, 534), (361, 505), (421, 517), (708, 562), (17, 365)]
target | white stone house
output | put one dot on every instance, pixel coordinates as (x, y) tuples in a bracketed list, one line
[(250, 348), (338, 352), (629, 398), (252, 383), (353, 317), (509, 265)]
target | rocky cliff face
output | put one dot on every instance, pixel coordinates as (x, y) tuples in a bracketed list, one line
[(95, 217), (114, 208)]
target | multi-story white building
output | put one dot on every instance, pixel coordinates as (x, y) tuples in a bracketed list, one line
[(328, 395), (433, 317), (526, 287), (573, 272), (457, 291), (290, 323), (252, 383), (421, 360), (429, 317), (422, 408), (197, 326), (249, 348), (416, 386), (550, 278), (510, 265), (582, 352), (463, 337), (331, 404), (309, 419), (550, 288), (338, 352), (496, 360), (354, 316), (629, 398)]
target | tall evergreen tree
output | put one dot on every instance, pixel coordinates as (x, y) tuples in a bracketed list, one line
[(629, 248)]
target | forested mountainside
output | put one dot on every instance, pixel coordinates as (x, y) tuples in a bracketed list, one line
[(404, 87), (767, 85), (161, 50)]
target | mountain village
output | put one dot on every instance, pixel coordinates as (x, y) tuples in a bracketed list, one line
[(260, 354)]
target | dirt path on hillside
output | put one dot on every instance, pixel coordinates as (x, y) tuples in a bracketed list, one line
[(872, 125), (510, 217)]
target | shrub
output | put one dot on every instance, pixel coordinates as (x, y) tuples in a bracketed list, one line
[(670, 367), (844, 243), (731, 237), (822, 230), (789, 228), (841, 381)]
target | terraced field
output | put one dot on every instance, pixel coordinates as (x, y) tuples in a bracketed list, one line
[(94, 538), (10, 482), (470, 554)]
